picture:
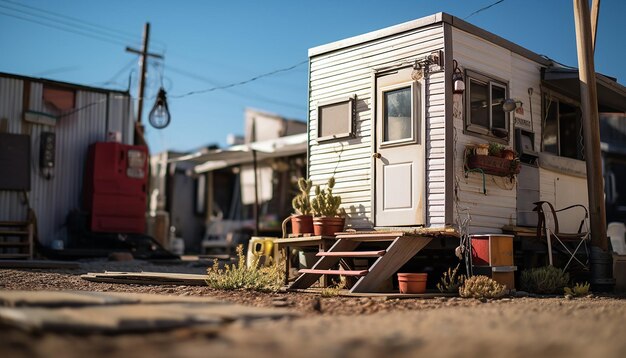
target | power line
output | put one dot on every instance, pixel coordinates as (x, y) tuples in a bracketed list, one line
[(235, 84), (104, 30), (231, 90), (74, 26), (482, 9), (64, 29)]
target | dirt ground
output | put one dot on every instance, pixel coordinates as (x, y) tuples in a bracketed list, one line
[(337, 326)]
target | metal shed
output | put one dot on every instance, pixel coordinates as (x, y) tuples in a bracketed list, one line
[(64, 119)]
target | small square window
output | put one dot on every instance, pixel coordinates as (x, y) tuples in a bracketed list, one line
[(335, 119), (485, 114)]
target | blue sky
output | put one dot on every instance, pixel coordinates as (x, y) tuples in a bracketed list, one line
[(212, 43)]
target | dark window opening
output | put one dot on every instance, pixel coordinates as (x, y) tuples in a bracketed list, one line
[(562, 131)]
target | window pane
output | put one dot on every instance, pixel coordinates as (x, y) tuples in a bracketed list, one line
[(551, 128), (569, 131), (498, 117), (398, 121), (479, 101), (334, 119)]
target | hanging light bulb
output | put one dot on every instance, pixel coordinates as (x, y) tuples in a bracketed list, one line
[(160, 114)]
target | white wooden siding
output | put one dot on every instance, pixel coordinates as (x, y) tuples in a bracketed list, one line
[(348, 72), (496, 208), (563, 190)]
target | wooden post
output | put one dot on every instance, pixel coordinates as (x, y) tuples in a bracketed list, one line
[(256, 194), (143, 65), (595, 13), (590, 123)]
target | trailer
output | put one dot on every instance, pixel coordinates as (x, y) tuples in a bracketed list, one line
[(399, 115)]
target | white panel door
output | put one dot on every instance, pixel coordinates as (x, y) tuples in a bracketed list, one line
[(399, 156)]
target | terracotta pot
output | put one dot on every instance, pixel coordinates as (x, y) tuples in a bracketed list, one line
[(328, 225), (412, 282), (482, 149), (508, 154), (301, 224)]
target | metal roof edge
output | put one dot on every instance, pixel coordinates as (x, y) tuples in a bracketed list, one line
[(374, 35), (63, 84), (440, 17), (500, 41)]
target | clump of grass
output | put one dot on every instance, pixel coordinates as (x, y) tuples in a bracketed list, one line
[(335, 289), (481, 287), (451, 281), (239, 276), (578, 290), (544, 280)]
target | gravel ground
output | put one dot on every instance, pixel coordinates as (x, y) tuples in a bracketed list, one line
[(337, 326)]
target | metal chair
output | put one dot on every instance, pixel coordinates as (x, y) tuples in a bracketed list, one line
[(548, 225)]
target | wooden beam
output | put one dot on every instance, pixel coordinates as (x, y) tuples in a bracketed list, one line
[(595, 13), (590, 122)]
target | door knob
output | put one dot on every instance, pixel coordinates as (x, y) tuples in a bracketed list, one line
[(376, 155)]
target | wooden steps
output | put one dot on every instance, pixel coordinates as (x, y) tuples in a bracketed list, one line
[(16, 240), (335, 272), (402, 247), (353, 253)]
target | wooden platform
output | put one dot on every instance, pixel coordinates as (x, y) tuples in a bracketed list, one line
[(380, 295), (84, 312), (147, 278)]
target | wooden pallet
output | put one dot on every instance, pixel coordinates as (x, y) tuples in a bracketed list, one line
[(402, 247), (16, 240)]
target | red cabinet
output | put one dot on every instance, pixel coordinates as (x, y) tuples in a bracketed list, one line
[(114, 189)]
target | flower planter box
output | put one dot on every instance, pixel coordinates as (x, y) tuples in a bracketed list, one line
[(492, 165)]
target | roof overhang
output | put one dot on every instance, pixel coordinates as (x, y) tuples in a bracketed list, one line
[(206, 161), (611, 95)]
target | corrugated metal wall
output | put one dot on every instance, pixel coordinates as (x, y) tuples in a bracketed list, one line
[(52, 199), (348, 72)]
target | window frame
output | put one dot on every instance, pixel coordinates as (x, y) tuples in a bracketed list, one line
[(351, 133), (479, 130), (560, 98), (415, 103)]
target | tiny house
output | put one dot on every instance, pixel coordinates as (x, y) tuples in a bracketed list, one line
[(395, 114)]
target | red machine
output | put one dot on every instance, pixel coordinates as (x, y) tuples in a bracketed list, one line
[(114, 189)]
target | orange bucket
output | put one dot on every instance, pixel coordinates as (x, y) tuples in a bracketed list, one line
[(412, 282)]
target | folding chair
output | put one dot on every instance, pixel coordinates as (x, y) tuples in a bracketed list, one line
[(548, 225)]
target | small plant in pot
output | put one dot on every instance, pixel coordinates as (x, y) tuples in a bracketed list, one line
[(495, 149), (302, 220), (328, 218)]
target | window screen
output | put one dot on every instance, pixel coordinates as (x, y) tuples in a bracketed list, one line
[(335, 120)]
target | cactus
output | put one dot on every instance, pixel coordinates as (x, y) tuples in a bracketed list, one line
[(451, 281), (325, 203), (481, 287), (302, 203), (544, 280)]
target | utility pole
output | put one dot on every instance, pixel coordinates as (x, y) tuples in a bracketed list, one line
[(595, 13), (590, 122), (143, 69)]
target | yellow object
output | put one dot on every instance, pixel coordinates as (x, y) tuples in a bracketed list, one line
[(260, 249)]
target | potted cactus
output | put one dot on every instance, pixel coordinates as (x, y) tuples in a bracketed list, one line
[(302, 220), (328, 218)]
